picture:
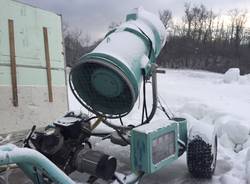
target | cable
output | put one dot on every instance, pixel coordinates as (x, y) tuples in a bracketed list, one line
[(121, 121), (144, 96), (154, 94), (144, 106), (143, 102), (162, 99), (94, 117), (123, 138), (115, 126), (118, 129), (100, 134), (163, 109)]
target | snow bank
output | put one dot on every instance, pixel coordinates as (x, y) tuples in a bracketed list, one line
[(197, 110), (228, 179), (236, 131), (232, 75), (225, 141), (245, 79), (233, 132)]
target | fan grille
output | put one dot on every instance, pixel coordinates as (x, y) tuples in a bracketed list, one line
[(102, 88)]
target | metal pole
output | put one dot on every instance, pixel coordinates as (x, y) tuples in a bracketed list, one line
[(154, 93)]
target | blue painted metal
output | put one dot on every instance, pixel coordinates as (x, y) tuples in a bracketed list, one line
[(182, 122), (143, 141), (33, 164), (107, 80)]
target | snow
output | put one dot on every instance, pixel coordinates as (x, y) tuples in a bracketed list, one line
[(232, 75), (154, 125), (237, 132), (205, 99), (205, 131), (226, 179), (5, 139)]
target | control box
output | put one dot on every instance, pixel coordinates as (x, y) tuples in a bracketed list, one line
[(154, 146)]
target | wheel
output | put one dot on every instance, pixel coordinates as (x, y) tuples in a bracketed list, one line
[(201, 153)]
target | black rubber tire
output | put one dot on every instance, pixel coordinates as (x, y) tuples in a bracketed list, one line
[(201, 157)]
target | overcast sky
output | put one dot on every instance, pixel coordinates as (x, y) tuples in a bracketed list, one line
[(94, 16)]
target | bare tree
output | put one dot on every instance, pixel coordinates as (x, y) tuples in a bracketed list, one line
[(209, 26), (166, 18), (204, 40), (73, 46), (65, 28), (85, 41), (238, 21), (188, 18)]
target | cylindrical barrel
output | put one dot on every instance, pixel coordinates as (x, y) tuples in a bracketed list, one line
[(96, 163), (107, 80)]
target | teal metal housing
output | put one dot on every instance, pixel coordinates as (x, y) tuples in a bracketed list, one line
[(107, 80), (182, 127), (155, 145), (34, 164)]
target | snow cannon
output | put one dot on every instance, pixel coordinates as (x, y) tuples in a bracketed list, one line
[(107, 80)]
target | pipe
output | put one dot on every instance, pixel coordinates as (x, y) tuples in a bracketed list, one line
[(129, 179), (154, 94), (10, 154), (116, 126)]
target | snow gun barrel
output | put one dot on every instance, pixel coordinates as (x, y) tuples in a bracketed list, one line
[(107, 80)]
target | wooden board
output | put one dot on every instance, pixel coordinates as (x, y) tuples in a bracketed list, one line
[(13, 62), (48, 67)]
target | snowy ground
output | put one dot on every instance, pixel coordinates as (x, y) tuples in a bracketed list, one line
[(222, 101)]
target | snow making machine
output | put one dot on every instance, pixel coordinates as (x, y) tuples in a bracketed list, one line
[(107, 82)]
